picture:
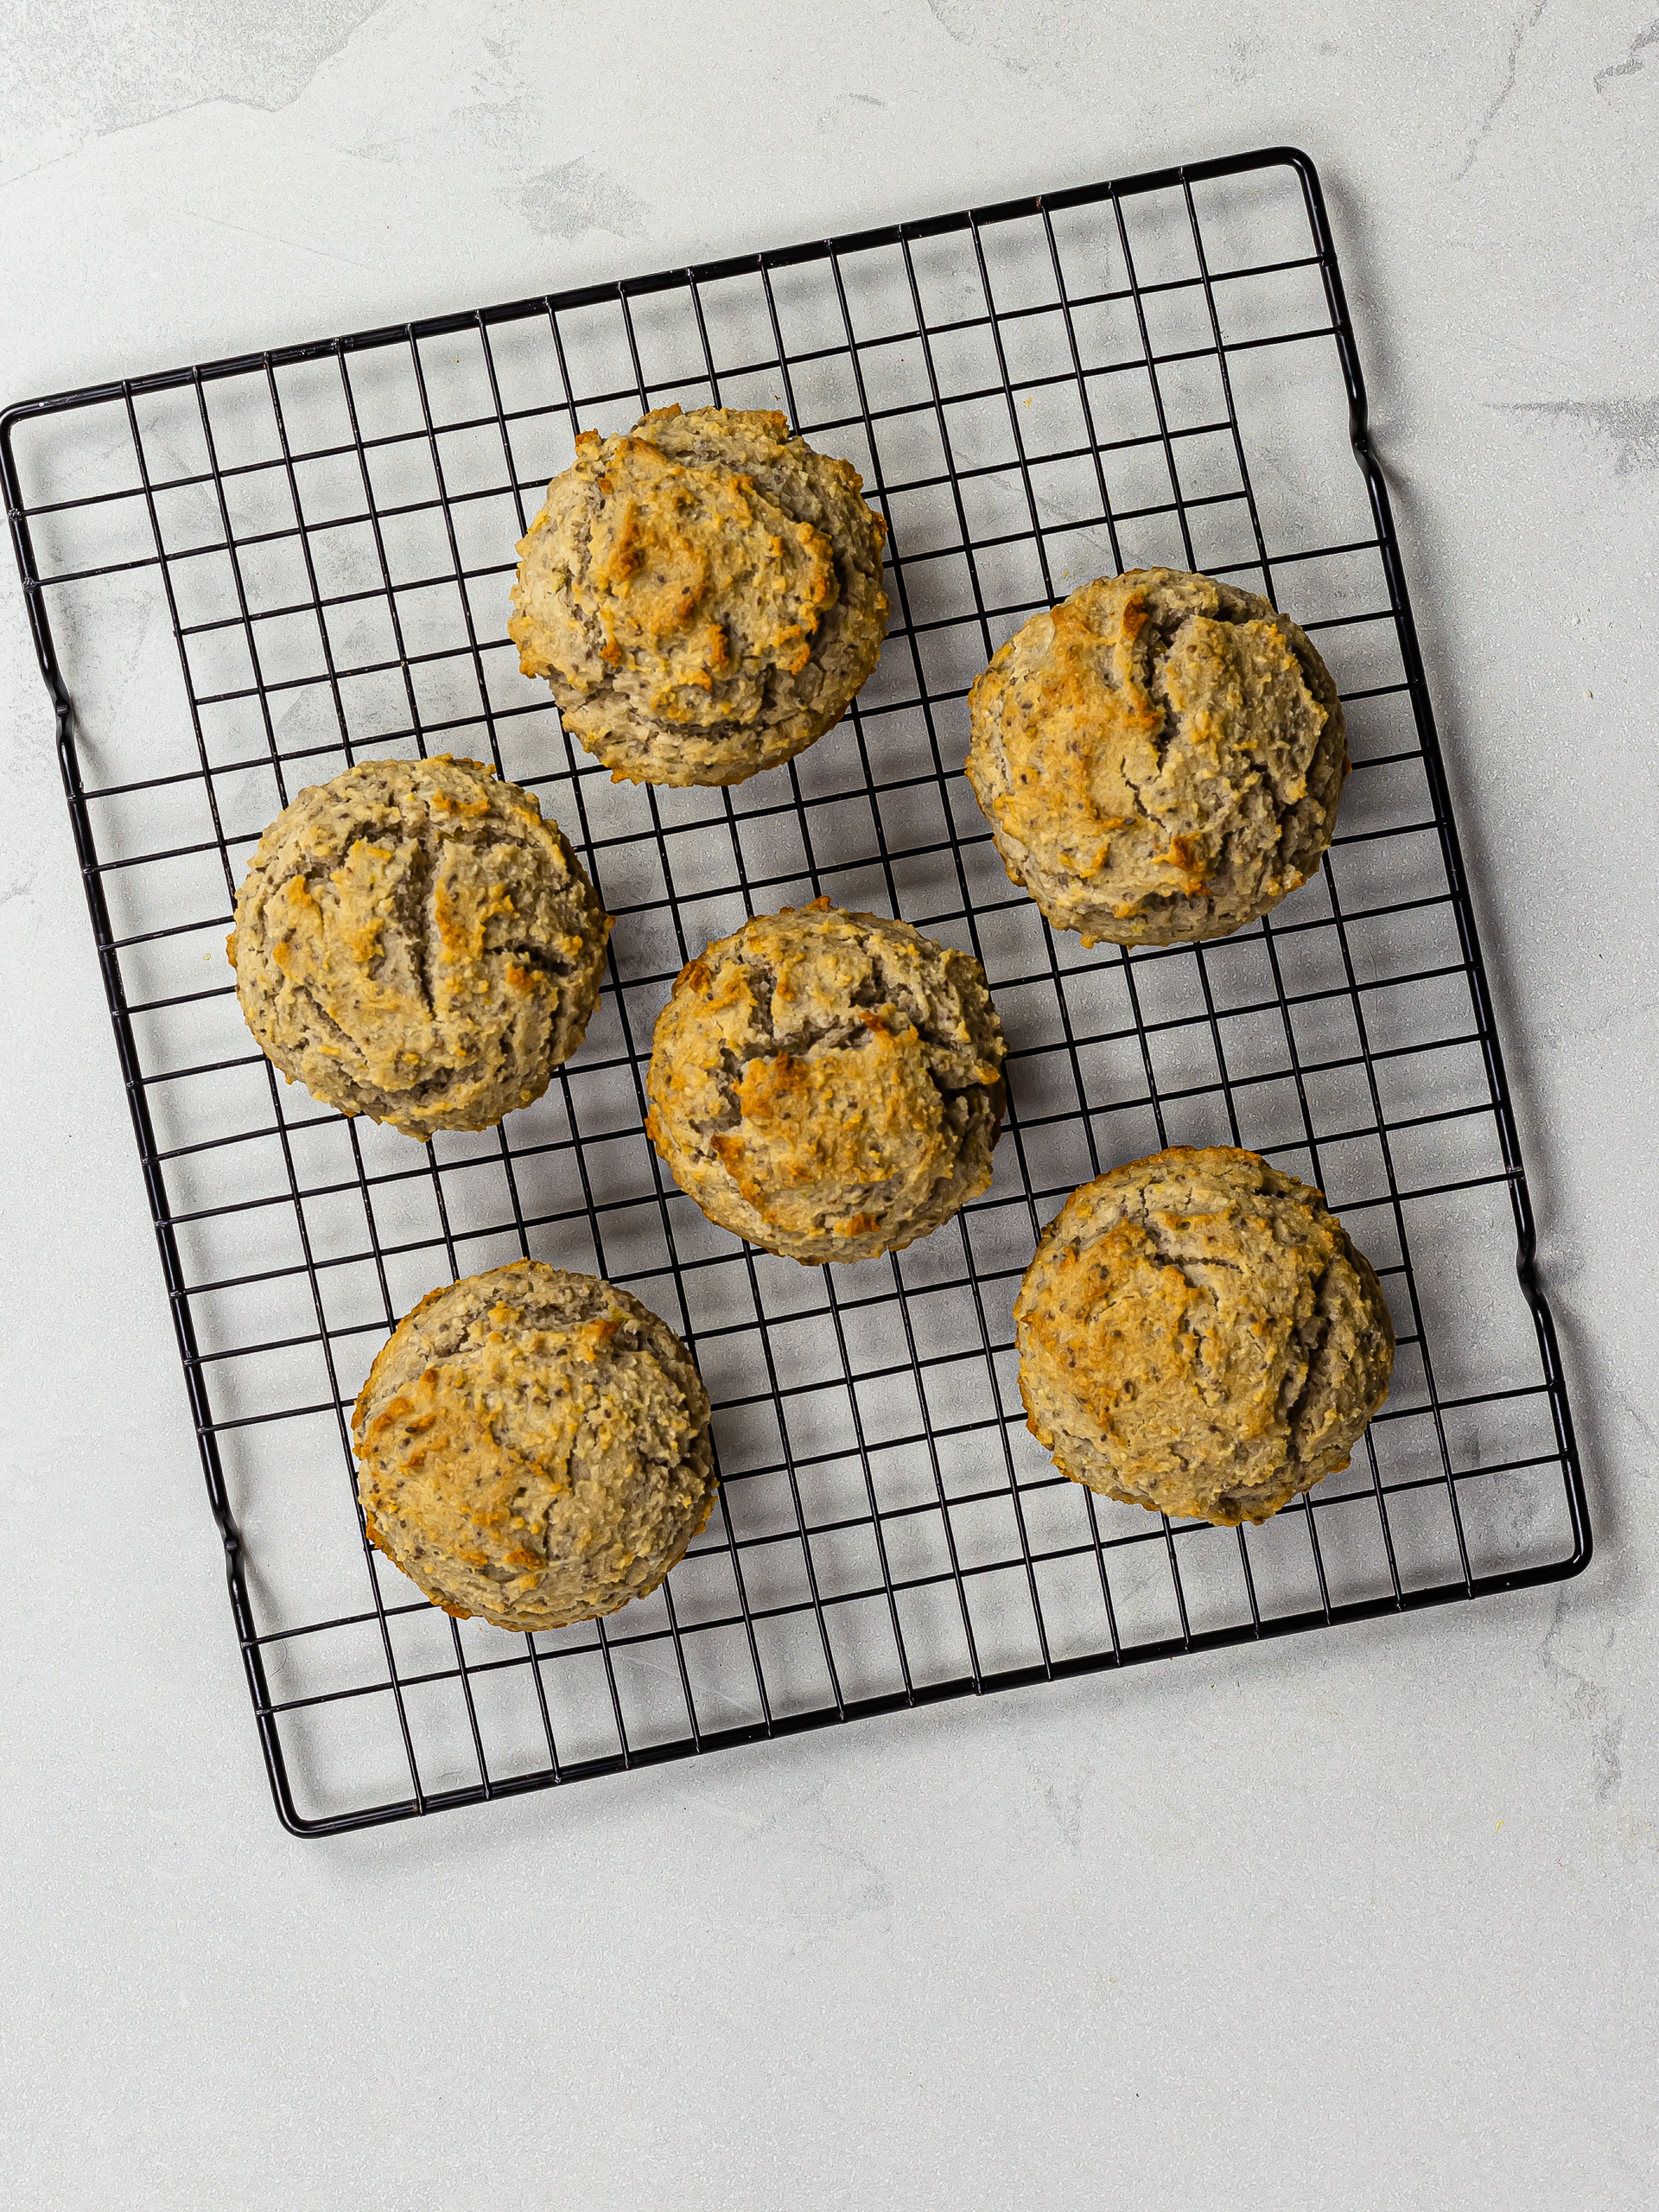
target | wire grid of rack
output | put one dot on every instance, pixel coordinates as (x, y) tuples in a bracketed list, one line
[(1158, 369)]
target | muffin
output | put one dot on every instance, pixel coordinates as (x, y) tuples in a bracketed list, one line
[(1159, 758), (413, 941), (703, 594), (828, 1085), (533, 1447), (1198, 1336)]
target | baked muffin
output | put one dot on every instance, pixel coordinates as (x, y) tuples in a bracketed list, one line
[(1198, 1336), (413, 941), (533, 1447), (703, 594), (1159, 758), (826, 1084)]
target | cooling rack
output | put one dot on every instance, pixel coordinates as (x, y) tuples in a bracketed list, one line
[(318, 540)]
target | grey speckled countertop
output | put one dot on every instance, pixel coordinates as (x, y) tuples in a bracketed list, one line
[(1364, 1919)]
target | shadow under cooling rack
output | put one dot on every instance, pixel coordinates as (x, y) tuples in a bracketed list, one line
[(321, 541)]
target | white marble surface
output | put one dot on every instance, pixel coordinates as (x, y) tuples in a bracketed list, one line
[(1365, 1919)]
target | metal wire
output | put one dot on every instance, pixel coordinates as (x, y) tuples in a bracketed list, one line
[(1035, 392)]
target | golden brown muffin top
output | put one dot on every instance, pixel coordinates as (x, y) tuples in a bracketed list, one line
[(415, 941), (1198, 1333), (1160, 757), (703, 594), (533, 1446), (828, 1084)]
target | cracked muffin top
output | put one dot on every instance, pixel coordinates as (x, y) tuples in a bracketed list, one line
[(532, 1446), (1159, 758), (703, 594), (1197, 1335), (415, 943), (828, 1084)]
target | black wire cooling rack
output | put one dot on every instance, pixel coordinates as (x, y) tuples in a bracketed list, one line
[(1160, 369)]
